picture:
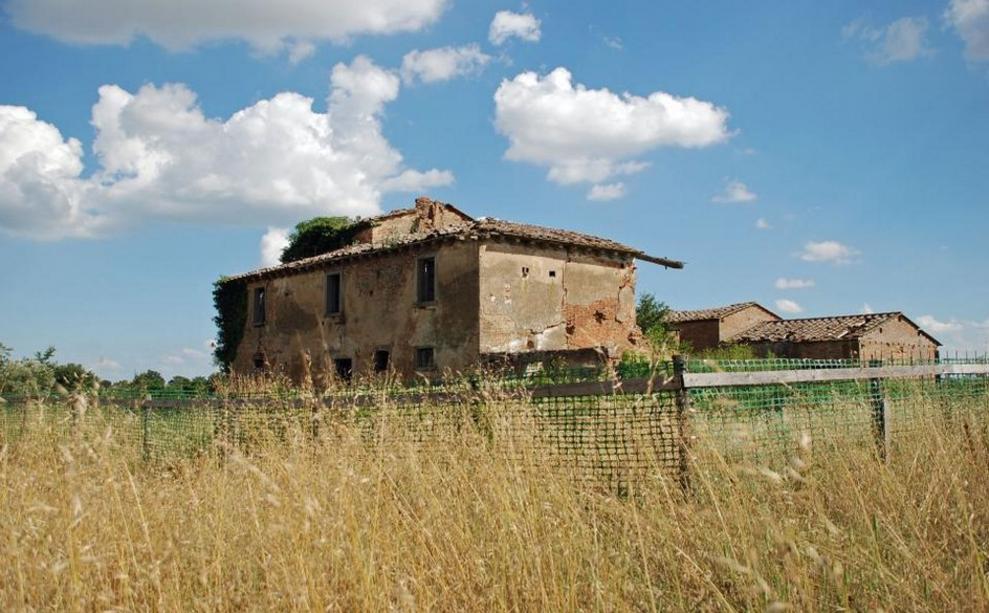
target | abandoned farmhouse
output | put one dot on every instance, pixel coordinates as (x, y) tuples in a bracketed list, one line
[(430, 288), (872, 336)]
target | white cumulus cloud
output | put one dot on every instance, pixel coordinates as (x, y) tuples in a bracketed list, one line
[(784, 283), (507, 24), (181, 24), (159, 156), (443, 64), (788, 306), (935, 326), (274, 241), (609, 191), (588, 135), (735, 191), (762, 224), (901, 41), (867, 309), (41, 192), (828, 251)]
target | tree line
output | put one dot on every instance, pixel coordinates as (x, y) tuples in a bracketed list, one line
[(43, 375)]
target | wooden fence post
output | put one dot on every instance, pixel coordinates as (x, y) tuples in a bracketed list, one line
[(145, 418), (880, 424), (682, 412)]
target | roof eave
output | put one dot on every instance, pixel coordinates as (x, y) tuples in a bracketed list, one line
[(645, 257)]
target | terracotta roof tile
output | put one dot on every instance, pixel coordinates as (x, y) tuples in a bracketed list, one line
[(478, 228), (712, 313), (839, 327)]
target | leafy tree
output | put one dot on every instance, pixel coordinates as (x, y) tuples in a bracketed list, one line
[(651, 313), (27, 376), (45, 357), (149, 380), (320, 235), (74, 377)]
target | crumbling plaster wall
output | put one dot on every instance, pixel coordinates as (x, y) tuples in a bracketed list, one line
[(379, 312), (535, 298), (426, 216)]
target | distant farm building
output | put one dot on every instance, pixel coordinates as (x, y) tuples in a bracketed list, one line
[(429, 288), (871, 336), (710, 328)]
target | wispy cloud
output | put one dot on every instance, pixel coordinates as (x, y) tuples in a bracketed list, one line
[(443, 64), (903, 40), (608, 191), (932, 324), (735, 191), (788, 306), (762, 224), (828, 251), (785, 283), (970, 18), (507, 24)]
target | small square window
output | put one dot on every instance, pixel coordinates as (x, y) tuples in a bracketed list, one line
[(425, 359), (552, 273), (426, 280), (380, 360), (344, 368), (334, 293), (259, 306), (525, 272)]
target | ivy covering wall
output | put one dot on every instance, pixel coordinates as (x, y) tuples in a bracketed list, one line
[(309, 238), (230, 301)]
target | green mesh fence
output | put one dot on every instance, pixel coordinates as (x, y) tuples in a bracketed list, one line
[(617, 438)]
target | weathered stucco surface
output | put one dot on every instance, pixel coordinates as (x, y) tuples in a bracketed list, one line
[(743, 320), (897, 340), (379, 312), (427, 215), (544, 298), (492, 297)]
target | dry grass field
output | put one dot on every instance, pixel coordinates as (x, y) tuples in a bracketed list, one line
[(341, 523)]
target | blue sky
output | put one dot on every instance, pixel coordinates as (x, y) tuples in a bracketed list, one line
[(817, 157)]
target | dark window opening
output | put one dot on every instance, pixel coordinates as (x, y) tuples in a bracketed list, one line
[(259, 361), (259, 314), (426, 276), (380, 360), (333, 295), (525, 271), (552, 273), (425, 359), (344, 368)]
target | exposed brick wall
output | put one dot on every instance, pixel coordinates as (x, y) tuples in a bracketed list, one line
[(743, 320)]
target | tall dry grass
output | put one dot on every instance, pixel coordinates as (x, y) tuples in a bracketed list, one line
[(341, 523)]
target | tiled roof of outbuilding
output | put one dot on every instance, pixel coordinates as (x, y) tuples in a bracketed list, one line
[(811, 329), (713, 313)]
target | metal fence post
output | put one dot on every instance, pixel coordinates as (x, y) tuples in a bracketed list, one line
[(682, 411), (880, 424)]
